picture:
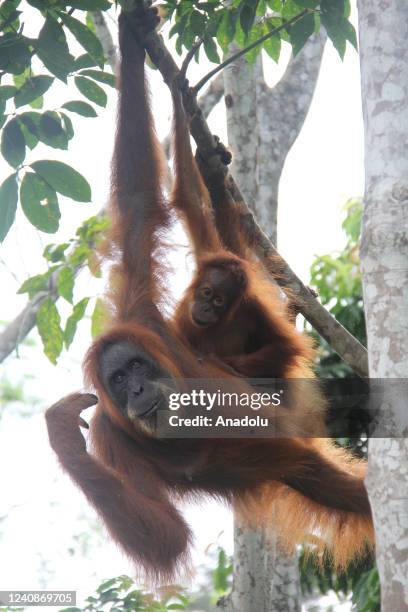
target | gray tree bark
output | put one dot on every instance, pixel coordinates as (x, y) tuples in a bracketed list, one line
[(383, 29), (109, 48), (262, 125)]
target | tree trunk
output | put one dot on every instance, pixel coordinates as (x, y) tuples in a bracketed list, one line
[(384, 261), (262, 126), (265, 579)]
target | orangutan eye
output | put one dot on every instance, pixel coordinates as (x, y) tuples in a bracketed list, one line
[(218, 300), (118, 377), (206, 292)]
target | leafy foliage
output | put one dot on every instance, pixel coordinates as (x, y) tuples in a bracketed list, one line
[(366, 592), (337, 280), (8, 200), (360, 579), (21, 88), (39, 202), (64, 261), (216, 23), (64, 179), (245, 21), (222, 574), (122, 595), (49, 327)]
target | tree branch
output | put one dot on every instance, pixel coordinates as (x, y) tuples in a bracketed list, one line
[(105, 37), (207, 100), (300, 77), (331, 330), (289, 100), (21, 326)]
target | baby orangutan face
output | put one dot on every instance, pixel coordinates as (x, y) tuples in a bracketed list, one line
[(218, 289)]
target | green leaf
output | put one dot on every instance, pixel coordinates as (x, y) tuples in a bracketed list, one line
[(30, 139), (7, 91), (84, 61), (90, 22), (39, 203), (290, 9), (35, 284), (33, 88), (68, 127), (91, 90), (308, 3), (9, 16), (55, 252), (99, 317), (37, 103), (224, 33), (240, 36), (93, 228), (63, 179), (50, 131), (90, 5), (29, 123), (261, 10), (100, 75), (78, 313), (65, 283), (275, 5), (197, 23), (79, 255), (8, 204), (233, 21), (247, 17), (3, 116), (38, 4), (49, 328), (182, 598), (15, 54), (347, 8), (20, 79), (13, 143), (52, 49), (349, 33), (334, 33), (82, 108), (85, 37), (352, 222), (210, 49), (339, 29), (255, 33), (31, 119), (301, 31), (273, 44)]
